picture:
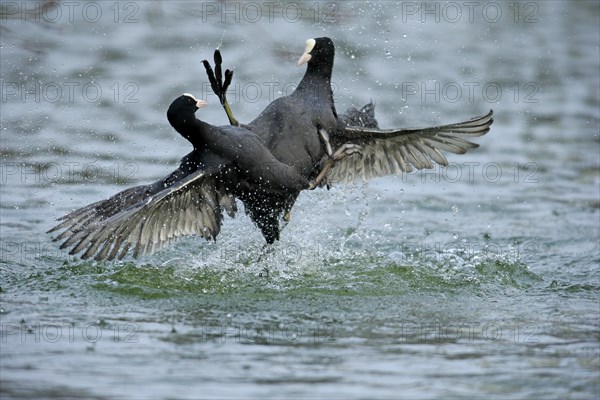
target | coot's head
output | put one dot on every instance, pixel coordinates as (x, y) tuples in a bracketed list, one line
[(181, 114), (319, 51), (182, 109)]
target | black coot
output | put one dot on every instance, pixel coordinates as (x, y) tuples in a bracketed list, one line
[(227, 162), (296, 143), (304, 130)]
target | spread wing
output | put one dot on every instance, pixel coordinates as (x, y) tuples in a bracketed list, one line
[(145, 218), (393, 151)]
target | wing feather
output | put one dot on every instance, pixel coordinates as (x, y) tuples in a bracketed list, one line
[(145, 218), (392, 151)]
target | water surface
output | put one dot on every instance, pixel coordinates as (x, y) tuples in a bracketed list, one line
[(479, 280)]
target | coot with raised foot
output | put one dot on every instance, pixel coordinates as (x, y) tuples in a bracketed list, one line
[(304, 130), (265, 164), (226, 163), (292, 127)]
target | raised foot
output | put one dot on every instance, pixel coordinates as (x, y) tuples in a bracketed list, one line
[(219, 86)]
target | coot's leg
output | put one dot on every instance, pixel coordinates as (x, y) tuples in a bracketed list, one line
[(218, 85)]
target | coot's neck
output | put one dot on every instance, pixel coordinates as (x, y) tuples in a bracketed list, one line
[(193, 129), (316, 81)]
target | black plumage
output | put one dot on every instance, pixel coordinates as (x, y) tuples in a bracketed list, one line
[(304, 130), (226, 163), (297, 142), (289, 128), (290, 125)]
